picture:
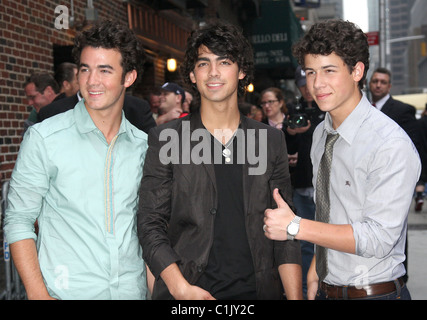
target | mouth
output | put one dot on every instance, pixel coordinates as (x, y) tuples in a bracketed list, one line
[(214, 85), (95, 93), (321, 97)]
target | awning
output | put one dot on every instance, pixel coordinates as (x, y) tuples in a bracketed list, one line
[(273, 34)]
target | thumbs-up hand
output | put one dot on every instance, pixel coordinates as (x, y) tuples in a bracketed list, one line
[(277, 220)]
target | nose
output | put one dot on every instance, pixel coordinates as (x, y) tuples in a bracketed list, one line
[(213, 71), (92, 78), (318, 81)]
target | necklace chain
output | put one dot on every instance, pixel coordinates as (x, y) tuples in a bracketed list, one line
[(227, 152), (229, 142)]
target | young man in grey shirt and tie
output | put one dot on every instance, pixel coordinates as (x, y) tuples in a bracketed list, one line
[(373, 172)]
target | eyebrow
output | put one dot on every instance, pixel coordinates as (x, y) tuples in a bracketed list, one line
[(101, 66), (324, 67), (208, 60)]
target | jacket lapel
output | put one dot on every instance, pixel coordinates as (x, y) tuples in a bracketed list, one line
[(248, 180), (387, 107), (196, 123)]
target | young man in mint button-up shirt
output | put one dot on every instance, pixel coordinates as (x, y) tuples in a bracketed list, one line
[(78, 175)]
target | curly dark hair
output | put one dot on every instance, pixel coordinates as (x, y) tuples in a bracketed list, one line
[(110, 34), (223, 40), (343, 38)]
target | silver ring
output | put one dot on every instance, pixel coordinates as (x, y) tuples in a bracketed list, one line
[(263, 227)]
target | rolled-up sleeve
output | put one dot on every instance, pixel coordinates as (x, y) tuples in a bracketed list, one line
[(28, 186), (391, 182)]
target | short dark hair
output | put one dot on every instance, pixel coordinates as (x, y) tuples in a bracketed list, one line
[(41, 81), (223, 40), (383, 71), (343, 38), (65, 72), (110, 34)]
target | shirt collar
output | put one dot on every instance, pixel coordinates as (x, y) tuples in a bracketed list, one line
[(85, 123), (380, 103), (349, 128)]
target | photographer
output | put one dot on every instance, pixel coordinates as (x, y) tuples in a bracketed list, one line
[(302, 119)]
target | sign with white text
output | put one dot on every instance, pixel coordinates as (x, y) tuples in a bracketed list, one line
[(273, 35)]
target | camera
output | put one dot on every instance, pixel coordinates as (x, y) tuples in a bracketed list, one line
[(299, 115)]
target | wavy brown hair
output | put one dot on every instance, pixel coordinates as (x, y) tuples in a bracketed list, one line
[(343, 38)]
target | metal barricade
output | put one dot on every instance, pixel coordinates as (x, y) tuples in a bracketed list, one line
[(14, 290)]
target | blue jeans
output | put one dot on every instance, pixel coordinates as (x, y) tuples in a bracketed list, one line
[(305, 209), (402, 293)]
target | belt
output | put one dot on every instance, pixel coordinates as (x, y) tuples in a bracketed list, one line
[(350, 292)]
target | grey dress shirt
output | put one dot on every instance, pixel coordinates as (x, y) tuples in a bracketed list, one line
[(374, 170)]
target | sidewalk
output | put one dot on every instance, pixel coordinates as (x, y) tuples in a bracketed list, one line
[(417, 253)]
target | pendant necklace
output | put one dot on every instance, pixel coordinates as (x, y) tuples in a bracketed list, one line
[(227, 152)]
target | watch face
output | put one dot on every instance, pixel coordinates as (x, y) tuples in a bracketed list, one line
[(293, 229)]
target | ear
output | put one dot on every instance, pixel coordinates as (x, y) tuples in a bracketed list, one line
[(192, 77), (242, 75), (48, 90), (130, 78), (358, 71), (66, 85)]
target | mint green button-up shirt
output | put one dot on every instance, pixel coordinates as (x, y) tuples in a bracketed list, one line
[(84, 194)]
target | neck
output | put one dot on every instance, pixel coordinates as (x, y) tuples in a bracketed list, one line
[(221, 120), (278, 118), (376, 99), (339, 114), (107, 121)]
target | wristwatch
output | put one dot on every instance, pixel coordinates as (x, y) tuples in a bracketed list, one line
[(293, 228)]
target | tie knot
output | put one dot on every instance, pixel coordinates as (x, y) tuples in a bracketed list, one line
[(330, 140)]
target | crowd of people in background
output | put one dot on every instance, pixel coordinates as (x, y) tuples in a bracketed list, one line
[(52, 94)]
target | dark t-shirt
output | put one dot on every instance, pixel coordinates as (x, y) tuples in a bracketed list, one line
[(230, 272)]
